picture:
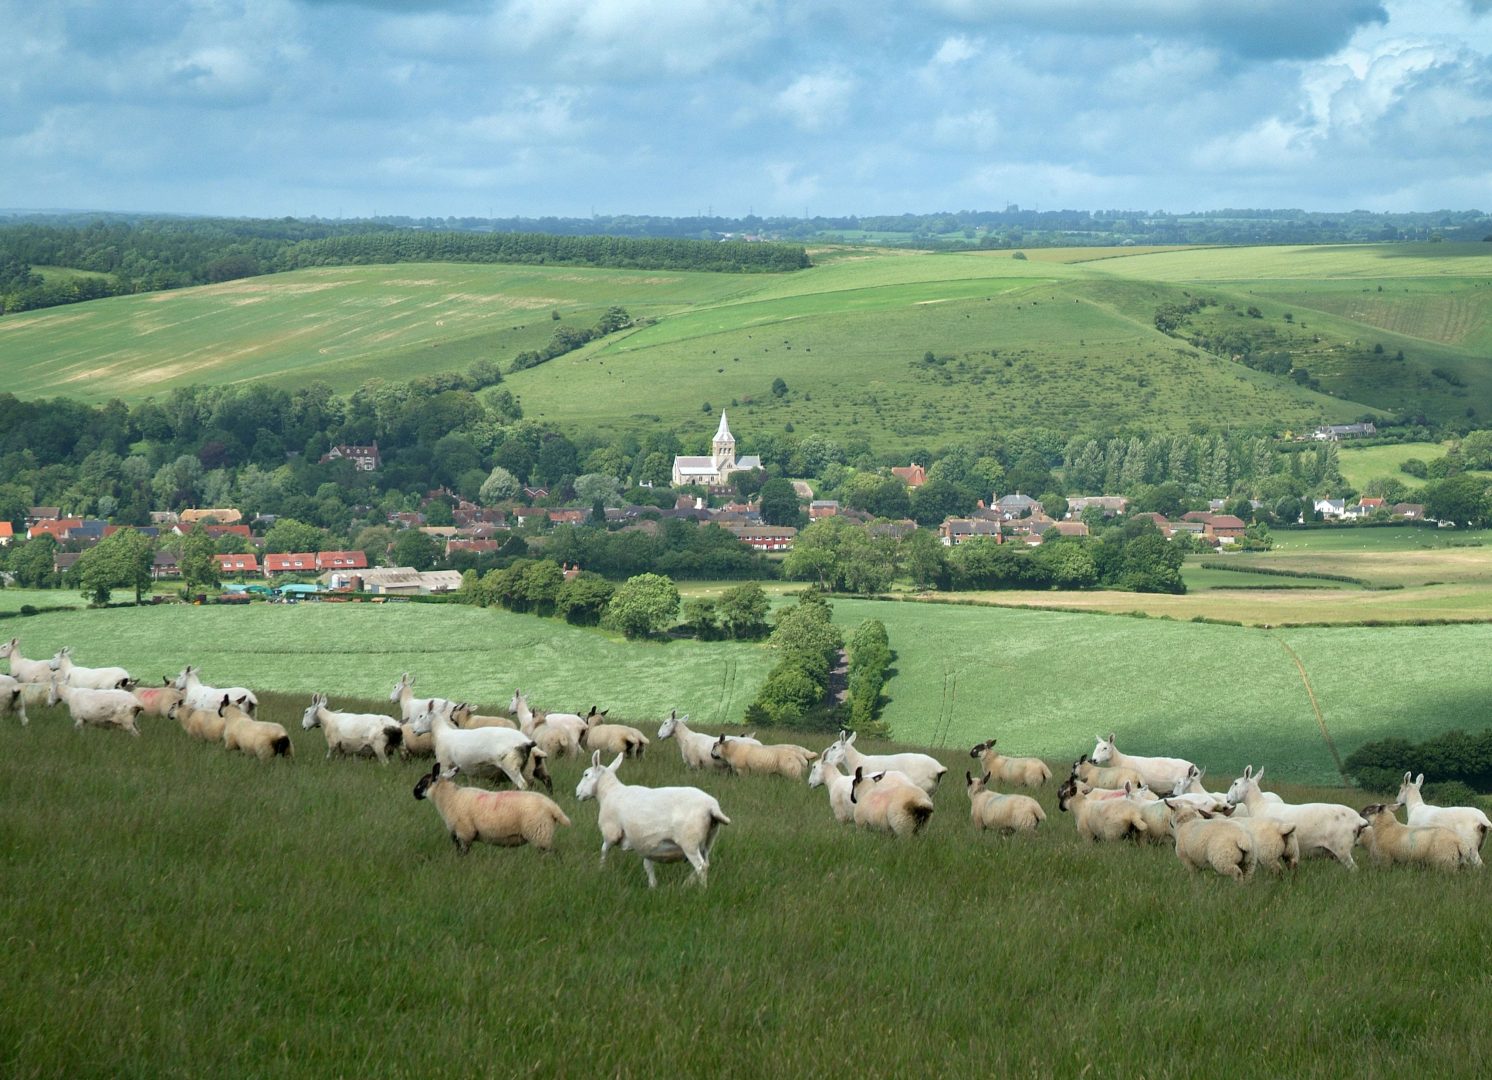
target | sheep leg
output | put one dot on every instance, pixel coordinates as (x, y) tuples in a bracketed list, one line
[(462, 846), (515, 778), (701, 864), (647, 864)]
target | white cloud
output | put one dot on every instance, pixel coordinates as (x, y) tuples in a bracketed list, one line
[(816, 102), (955, 50)]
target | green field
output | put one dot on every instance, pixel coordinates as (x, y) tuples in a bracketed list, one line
[(1063, 339), (173, 910)]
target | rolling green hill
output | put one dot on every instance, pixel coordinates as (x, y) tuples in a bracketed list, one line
[(1063, 339)]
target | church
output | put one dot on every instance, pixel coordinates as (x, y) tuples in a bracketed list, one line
[(714, 470)]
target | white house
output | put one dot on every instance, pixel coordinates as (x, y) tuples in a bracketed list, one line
[(715, 469)]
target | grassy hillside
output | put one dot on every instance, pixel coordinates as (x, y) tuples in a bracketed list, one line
[(1064, 338), (173, 910)]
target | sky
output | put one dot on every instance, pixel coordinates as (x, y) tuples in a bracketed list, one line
[(347, 108)]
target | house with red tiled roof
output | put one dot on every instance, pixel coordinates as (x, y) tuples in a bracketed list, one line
[(7, 533), (56, 528), (341, 560), (477, 547), (912, 475), (282, 563), (237, 564)]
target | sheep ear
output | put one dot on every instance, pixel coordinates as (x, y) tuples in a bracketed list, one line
[(1204, 813), (605, 711), (1111, 737), (859, 772), (968, 777), (1407, 776), (1248, 772), (1260, 774), (1420, 779), (986, 778), (435, 770), (595, 759), (616, 763), (1128, 787)]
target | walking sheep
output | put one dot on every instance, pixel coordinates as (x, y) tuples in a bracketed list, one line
[(104, 678), (1390, 841), (352, 733), (465, 717), (667, 824), (157, 700), (889, 803), (1468, 822), (1321, 828), (1100, 819), (1159, 773), (258, 737), (480, 752), (1202, 841), (201, 696), (745, 758), (504, 818), (612, 738), (1023, 771), (27, 671), (1099, 776), (1007, 813), (924, 769), (13, 698), (98, 708)]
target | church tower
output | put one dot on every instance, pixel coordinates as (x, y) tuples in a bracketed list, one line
[(725, 450)]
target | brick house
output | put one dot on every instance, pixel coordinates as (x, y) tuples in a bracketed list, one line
[(237, 564)]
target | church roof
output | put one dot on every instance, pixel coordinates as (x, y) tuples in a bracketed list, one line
[(722, 433)]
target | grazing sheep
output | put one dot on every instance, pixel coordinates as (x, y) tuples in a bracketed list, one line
[(1023, 771), (1100, 819), (1321, 828), (352, 733), (258, 737), (1007, 813), (27, 671), (504, 818), (1159, 773), (1390, 841), (1202, 840), (97, 708), (87, 678), (746, 758), (157, 700), (481, 752), (201, 696), (924, 769), (661, 824), (888, 804), (463, 717), (1468, 822), (613, 738), (13, 698), (1097, 776)]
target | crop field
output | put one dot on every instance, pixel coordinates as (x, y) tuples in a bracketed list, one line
[(174, 910), (1064, 338)]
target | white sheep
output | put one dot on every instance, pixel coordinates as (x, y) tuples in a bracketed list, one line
[(504, 818), (661, 824), (157, 700), (924, 769), (412, 708), (1202, 840), (98, 708), (1468, 822), (1007, 813), (34, 694), (889, 803), (27, 671), (694, 746), (201, 696), (1109, 777), (1023, 771), (1159, 773), (530, 718), (1100, 819), (613, 738), (1321, 828), (1390, 841), (13, 698), (352, 733), (840, 786), (88, 678), (1189, 789), (480, 752), (261, 738), (755, 759)]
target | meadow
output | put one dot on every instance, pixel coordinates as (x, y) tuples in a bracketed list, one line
[(173, 910), (1064, 339)]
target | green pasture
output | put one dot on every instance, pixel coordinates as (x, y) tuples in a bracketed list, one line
[(1358, 466), (12, 600), (453, 650), (1049, 682), (174, 910), (1064, 338)]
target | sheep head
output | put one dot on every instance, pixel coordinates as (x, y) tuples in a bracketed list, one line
[(1103, 751)]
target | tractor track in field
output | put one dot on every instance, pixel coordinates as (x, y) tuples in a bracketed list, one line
[(1315, 705)]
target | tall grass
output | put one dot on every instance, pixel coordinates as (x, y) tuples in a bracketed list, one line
[(173, 910)]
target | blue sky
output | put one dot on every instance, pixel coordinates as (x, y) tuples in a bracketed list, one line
[(568, 107)]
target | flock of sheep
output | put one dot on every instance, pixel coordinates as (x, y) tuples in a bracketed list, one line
[(1112, 796)]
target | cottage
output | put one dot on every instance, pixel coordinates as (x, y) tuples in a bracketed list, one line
[(955, 531), (1408, 511), (822, 508), (341, 560), (476, 547), (165, 565), (716, 469), (225, 515), (1223, 528), (297, 563), (913, 475), (1111, 505), (237, 564), (363, 458), (1330, 508), (764, 537), (1016, 506), (7, 533)]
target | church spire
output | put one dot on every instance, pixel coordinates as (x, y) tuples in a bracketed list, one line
[(722, 433), (724, 445)]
